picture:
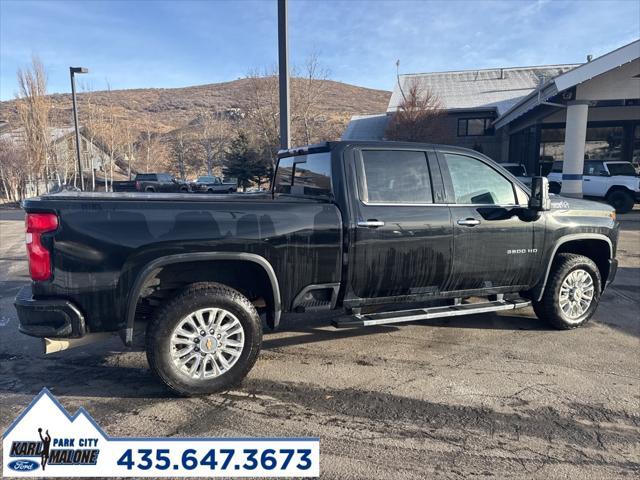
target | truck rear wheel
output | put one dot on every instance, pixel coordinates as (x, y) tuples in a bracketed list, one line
[(620, 200), (572, 292), (204, 340)]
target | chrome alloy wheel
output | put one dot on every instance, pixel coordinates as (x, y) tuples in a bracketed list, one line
[(576, 294), (207, 343)]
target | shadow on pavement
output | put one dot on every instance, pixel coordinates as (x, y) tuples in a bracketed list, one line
[(316, 331), (620, 304)]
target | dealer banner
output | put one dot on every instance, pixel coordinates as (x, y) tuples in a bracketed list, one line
[(45, 441)]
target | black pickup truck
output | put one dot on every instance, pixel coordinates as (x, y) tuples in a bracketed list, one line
[(152, 182), (355, 226)]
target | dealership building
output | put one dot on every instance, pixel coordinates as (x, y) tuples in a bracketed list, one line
[(534, 115)]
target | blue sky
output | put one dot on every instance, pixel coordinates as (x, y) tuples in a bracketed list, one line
[(134, 44)]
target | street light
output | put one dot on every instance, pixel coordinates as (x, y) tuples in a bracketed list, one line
[(72, 72)]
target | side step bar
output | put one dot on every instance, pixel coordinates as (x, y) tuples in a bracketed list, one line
[(366, 320)]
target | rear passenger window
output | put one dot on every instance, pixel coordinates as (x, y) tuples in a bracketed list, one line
[(593, 168), (284, 175), (313, 176), (557, 167), (475, 182), (394, 177), (304, 175)]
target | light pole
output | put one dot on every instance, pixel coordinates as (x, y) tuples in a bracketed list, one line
[(72, 72), (283, 74)]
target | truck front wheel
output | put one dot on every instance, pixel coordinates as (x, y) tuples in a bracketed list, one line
[(204, 340), (572, 292)]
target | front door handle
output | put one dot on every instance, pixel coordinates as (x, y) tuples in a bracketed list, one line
[(370, 223), (469, 222)]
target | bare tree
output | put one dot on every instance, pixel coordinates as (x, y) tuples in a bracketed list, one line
[(264, 111), (307, 91), (152, 152), (186, 153), (419, 118), (14, 171), (94, 120), (127, 146), (33, 109), (214, 137), (111, 132)]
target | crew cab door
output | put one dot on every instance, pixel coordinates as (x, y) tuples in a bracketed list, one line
[(595, 179), (495, 243), (165, 183), (402, 237)]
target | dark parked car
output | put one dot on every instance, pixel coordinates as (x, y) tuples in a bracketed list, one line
[(159, 182), (212, 184), (152, 182), (363, 227)]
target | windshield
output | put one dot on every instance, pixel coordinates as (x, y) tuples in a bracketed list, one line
[(621, 169), (206, 179)]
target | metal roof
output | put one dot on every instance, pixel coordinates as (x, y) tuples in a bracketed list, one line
[(55, 134), (366, 127), (569, 79), (497, 88)]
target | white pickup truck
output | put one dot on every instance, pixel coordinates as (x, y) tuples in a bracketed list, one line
[(615, 181)]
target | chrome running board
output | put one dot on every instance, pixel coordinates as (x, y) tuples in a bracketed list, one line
[(370, 319)]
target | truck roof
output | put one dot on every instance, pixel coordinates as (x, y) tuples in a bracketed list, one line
[(332, 145)]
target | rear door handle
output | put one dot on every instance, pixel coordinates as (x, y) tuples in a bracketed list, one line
[(370, 223), (469, 222)]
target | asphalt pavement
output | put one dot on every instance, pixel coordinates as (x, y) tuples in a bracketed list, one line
[(485, 396)]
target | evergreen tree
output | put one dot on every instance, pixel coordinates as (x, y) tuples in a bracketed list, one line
[(244, 162)]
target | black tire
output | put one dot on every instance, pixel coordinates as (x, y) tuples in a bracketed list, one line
[(621, 200), (184, 190), (194, 297), (210, 190), (548, 308), (150, 189), (554, 187)]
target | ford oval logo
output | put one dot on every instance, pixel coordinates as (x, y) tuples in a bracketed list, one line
[(23, 465)]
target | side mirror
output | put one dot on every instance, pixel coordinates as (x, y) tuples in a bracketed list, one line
[(540, 200), (604, 174)]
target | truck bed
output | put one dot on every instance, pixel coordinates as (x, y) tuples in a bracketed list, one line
[(104, 240)]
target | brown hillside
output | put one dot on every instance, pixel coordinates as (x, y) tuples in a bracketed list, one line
[(174, 108)]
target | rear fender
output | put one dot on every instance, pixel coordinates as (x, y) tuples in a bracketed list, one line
[(148, 270)]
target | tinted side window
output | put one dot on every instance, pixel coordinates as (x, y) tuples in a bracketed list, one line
[(313, 176), (593, 168), (557, 167), (146, 177), (284, 175), (395, 176), (304, 175), (474, 182)]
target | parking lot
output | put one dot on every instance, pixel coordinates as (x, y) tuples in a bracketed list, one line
[(488, 396)]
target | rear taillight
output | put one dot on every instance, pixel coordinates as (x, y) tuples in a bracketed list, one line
[(39, 256), (137, 185)]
